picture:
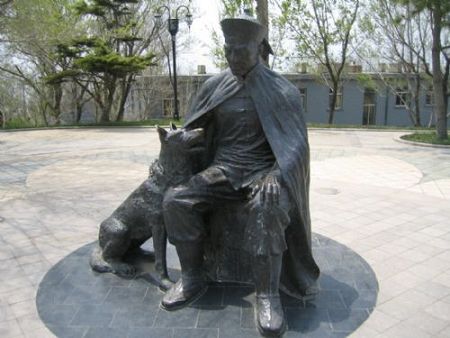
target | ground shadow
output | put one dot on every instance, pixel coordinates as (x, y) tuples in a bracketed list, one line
[(74, 301)]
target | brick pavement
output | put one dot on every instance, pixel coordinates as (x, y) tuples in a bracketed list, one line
[(386, 201)]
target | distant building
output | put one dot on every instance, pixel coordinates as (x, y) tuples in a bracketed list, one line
[(363, 98)]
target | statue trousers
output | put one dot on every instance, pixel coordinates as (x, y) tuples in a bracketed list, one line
[(185, 207)]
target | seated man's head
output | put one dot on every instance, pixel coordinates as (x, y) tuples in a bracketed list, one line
[(243, 43)]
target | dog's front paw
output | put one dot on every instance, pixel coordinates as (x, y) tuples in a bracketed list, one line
[(123, 269)]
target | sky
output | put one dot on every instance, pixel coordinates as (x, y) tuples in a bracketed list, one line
[(198, 41)]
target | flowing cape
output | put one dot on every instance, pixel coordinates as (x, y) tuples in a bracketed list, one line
[(278, 104)]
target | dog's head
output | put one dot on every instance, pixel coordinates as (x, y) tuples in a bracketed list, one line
[(181, 140)]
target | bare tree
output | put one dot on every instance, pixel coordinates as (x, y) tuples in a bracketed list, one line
[(439, 14), (322, 30), (393, 33)]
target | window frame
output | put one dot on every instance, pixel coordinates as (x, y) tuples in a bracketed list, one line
[(304, 96), (429, 97), (171, 106), (402, 97), (339, 104)]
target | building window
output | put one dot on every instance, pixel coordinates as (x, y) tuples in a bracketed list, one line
[(429, 96), (402, 97), (369, 107), (303, 95), (339, 98), (168, 107)]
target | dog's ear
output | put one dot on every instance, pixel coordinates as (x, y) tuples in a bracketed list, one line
[(173, 126), (162, 133)]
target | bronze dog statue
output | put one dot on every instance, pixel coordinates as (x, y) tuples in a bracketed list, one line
[(140, 216)]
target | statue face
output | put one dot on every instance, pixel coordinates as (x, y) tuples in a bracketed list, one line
[(241, 57)]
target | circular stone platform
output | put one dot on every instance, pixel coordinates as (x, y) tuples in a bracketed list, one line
[(74, 301)]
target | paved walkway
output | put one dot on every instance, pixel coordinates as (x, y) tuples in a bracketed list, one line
[(387, 201)]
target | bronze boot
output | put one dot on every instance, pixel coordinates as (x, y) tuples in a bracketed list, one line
[(269, 311), (191, 286)]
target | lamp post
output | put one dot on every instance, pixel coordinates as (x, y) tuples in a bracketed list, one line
[(173, 25)]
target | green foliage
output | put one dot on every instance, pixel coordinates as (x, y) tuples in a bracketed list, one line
[(105, 60), (32, 33), (232, 8), (322, 31), (430, 138), (113, 64), (150, 122), (18, 123), (321, 27), (106, 54), (367, 81), (358, 126), (218, 52), (61, 76)]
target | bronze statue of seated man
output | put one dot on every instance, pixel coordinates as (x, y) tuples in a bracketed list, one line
[(257, 153)]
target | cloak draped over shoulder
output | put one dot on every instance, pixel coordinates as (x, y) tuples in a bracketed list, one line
[(278, 105)]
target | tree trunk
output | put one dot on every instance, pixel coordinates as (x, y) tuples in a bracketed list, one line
[(262, 12), (438, 79), (57, 97), (417, 120), (125, 91), (332, 106), (78, 112), (110, 90)]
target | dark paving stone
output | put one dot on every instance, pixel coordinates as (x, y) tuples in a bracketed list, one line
[(109, 279), (248, 318), (67, 331), (357, 299), (58, 314), (239, 296), (233, 332), (327, 299), (120, 294), (307, 320), (221, 317), (81, 277), (51, 295), (345, 321), (185, 318), (195, 333), (140, 315), (94, 294), (73, 301), (289, 301), (93, 316), (212, 297), (97, 332), (141, 332)]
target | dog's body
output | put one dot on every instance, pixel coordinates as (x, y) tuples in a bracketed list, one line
[(140, 216)]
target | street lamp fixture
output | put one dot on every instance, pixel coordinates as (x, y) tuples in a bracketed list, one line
[(173, 22)]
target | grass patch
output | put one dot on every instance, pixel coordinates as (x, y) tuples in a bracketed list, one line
[(359, 126), (23, 124), (429, 138), (18, 123), (151, 122)]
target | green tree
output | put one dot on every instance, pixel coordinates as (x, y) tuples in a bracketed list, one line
[(439, 12), (28, 49), (322, 30), (107, 59), (393, 33)]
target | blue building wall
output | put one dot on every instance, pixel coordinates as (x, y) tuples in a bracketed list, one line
[(317, 100)]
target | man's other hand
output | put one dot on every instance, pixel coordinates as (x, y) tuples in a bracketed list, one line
[(269, 189)]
